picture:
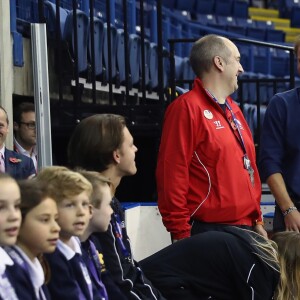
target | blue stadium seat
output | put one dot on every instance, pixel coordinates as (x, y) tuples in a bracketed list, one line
[(263, 109), (240, 9), (245, 52), (169, 3), (264, 24), (134, 52), (178, 67), (256, 33), (134, 57), (295, 16), (186, 5), (50, 15), (205, 7), (223, 7), (225, 20), (153, 66), (273, 35), (98, 46), (285, 7), (262, 60), (237, 29), (147, 62), (245, 22), (188, 73), (113, 50), (82, 35), (280, 63), (249, 110), (166, 67), (120, 58), (206, 19)]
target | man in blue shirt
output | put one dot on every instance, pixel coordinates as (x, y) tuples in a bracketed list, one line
[(280, 154)]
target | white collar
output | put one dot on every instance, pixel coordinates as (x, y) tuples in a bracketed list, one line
[(23, 151), (5, 260), (2, 151), (35, 270), (69, 251)]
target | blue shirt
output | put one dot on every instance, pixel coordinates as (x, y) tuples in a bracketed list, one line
[(280, 140)]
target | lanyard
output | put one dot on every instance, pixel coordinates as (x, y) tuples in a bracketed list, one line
[(95, 268), (235, 121), (85, 274), (246, 160), (116, 224)]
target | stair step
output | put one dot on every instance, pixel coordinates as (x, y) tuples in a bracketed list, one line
[(277, 21), (290, 33), (255, 11)]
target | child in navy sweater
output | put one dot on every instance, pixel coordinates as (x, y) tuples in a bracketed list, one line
[(38, 234), (14, 282), (70, 278), (101, 216)]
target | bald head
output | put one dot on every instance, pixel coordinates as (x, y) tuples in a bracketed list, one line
[(205, 49)]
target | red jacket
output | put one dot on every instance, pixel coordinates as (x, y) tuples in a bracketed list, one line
[(200, 170)]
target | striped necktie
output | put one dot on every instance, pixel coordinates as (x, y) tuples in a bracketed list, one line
[(2, 164)]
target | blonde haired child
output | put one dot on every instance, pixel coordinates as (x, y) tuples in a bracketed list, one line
[(101, 215), (70, 278)]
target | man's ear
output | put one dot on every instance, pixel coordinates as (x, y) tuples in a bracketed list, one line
[(15, 126), (219, 63), (91, 210), (116, 156)]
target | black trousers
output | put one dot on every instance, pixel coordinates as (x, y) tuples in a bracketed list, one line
[(200, 227)]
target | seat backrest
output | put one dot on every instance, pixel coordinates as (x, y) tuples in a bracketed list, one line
[(264, 24), (153, 65), (240, 9), (205, 6), (295, 16), (82, 36), (223, 7), (120, 55), (186, 5), (206, 19), (225, 20), (134, 57), (273, 35), (245, 22), (50, 15), (147, 62), (188, 73), (256, 33), (113, 50), (98, 46)]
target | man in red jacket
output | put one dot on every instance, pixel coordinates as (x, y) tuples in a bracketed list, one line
[(207, 177)]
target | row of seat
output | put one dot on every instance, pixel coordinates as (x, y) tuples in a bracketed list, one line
[(235, 8), (257, 61), (260, 30), (117, 36)]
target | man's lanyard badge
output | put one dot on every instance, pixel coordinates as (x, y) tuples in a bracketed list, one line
[(246, 160)]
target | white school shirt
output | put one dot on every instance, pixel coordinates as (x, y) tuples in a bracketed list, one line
[(69, 252), (7, 292), (36, 273)]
